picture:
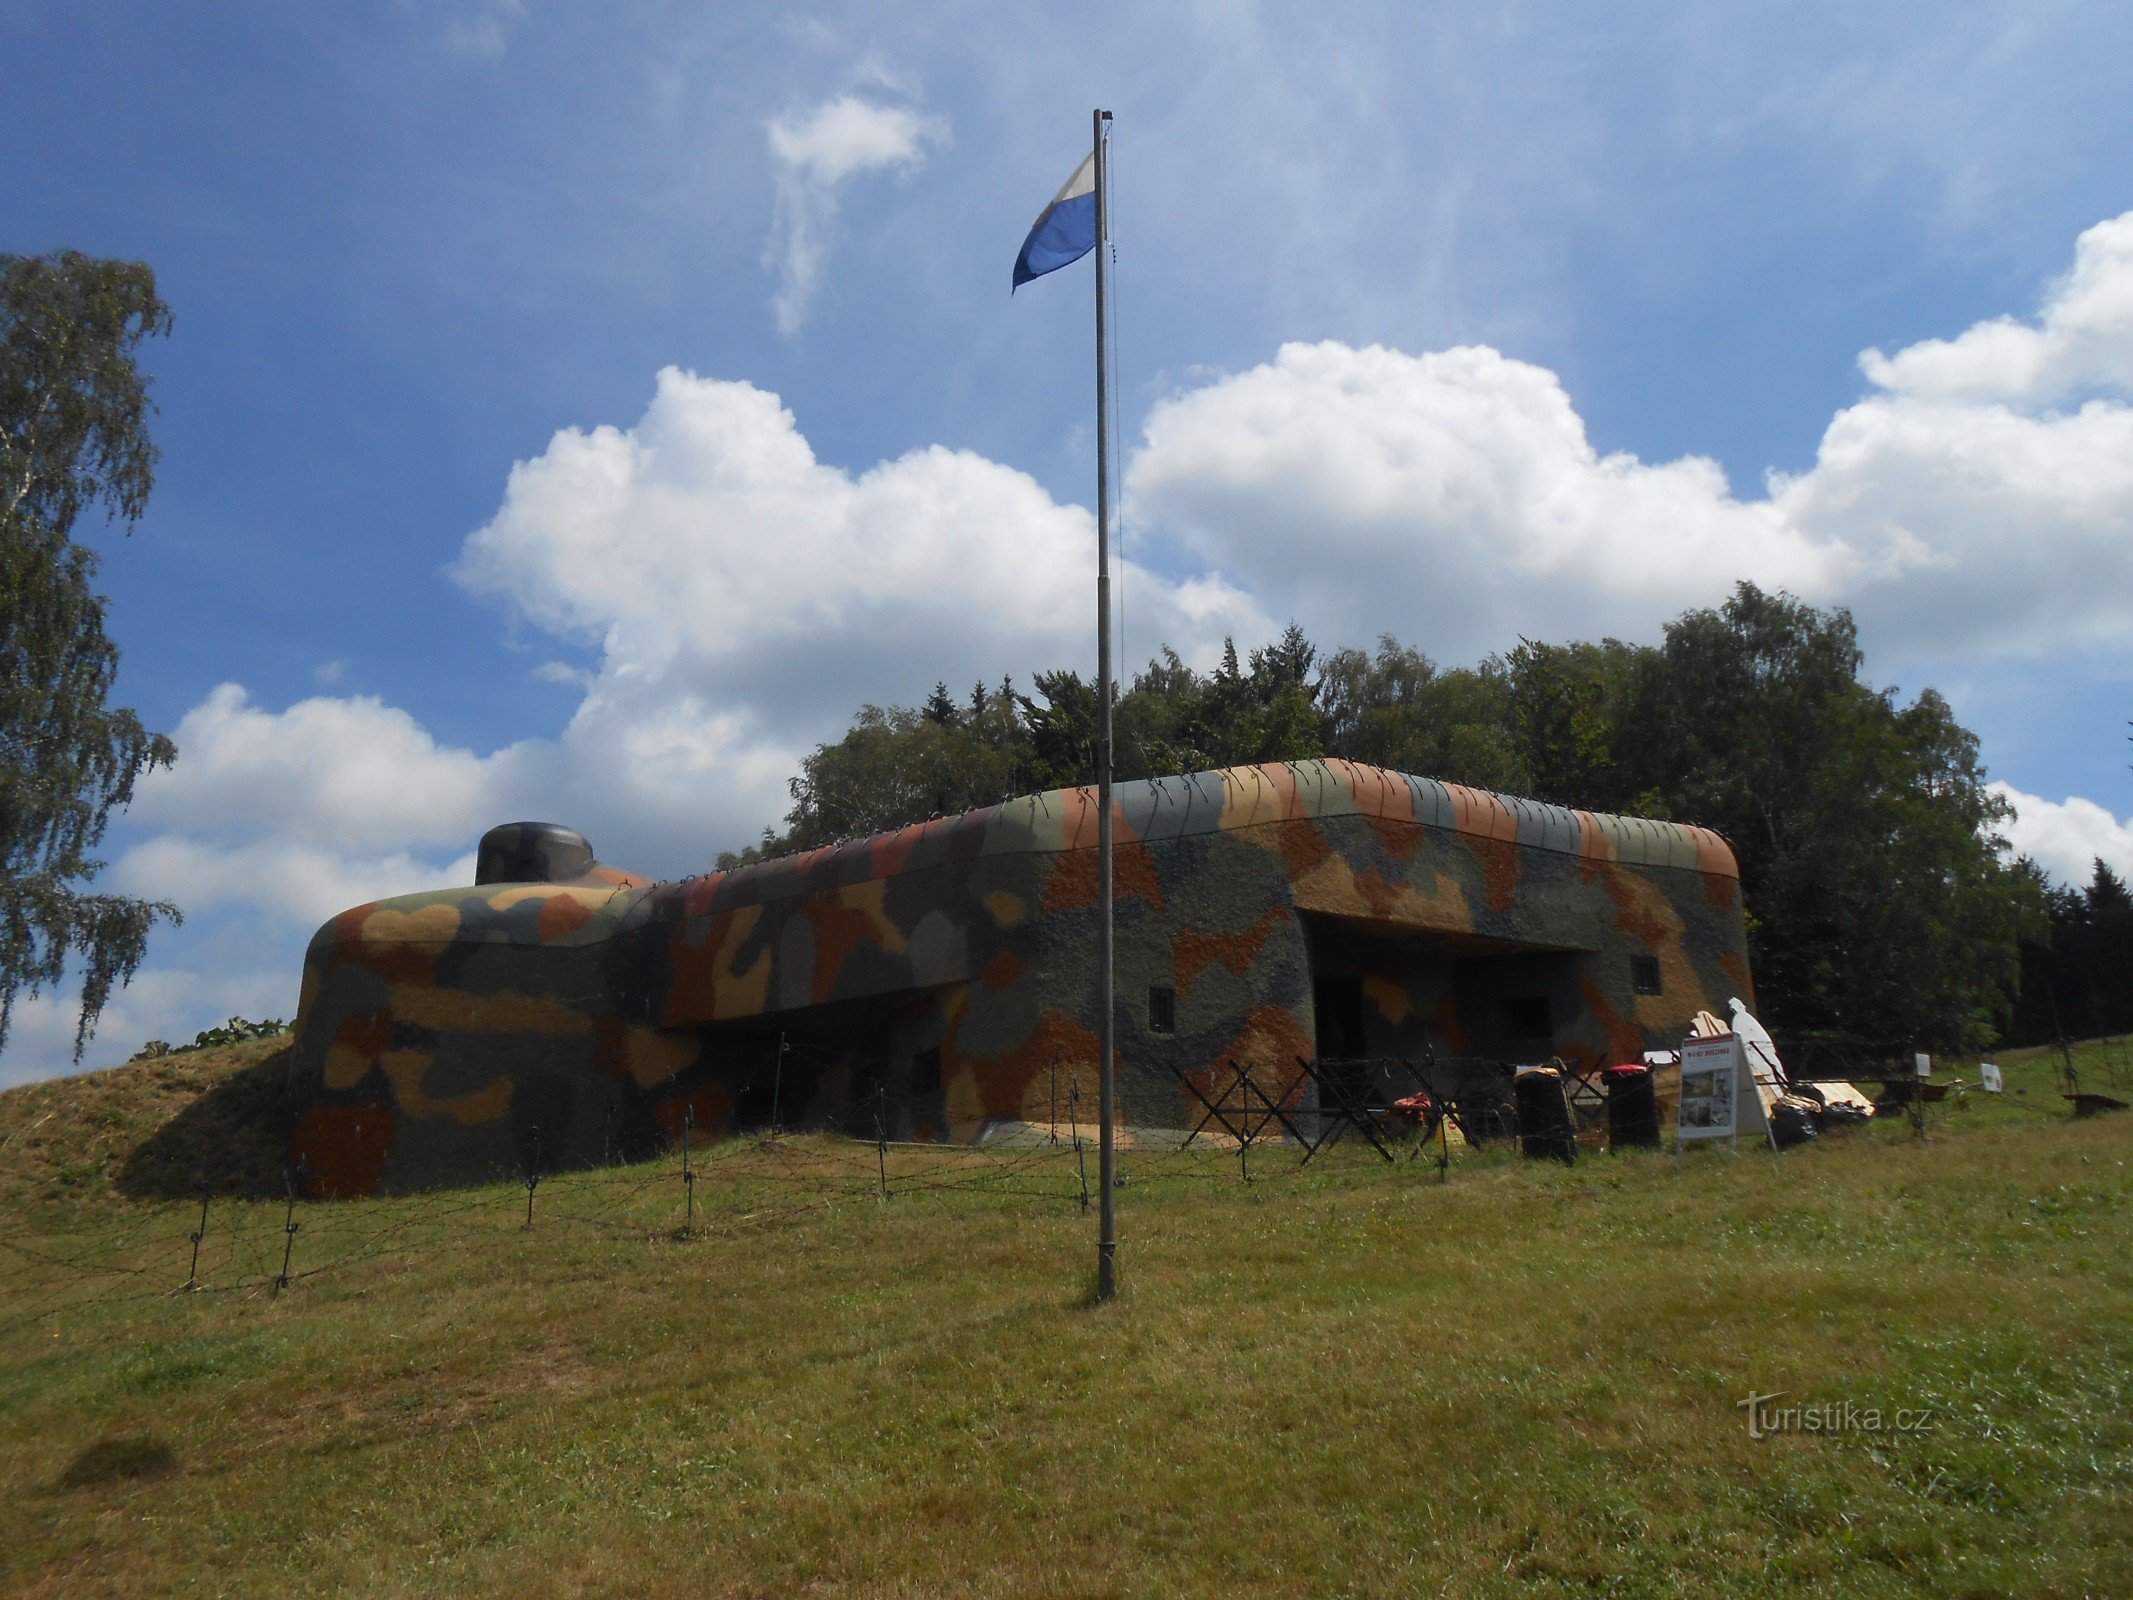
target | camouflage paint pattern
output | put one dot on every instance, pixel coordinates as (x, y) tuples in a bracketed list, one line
[(940, 981)]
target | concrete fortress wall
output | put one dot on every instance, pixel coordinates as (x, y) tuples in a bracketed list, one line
[(940, 981)]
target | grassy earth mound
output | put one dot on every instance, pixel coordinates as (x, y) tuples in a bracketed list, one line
[(151, 1129)]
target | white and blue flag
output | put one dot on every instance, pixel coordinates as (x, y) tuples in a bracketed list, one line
[(1065, 230)]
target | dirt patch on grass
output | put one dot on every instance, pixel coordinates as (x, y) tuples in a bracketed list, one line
[(110, 1461), (434, 1400)]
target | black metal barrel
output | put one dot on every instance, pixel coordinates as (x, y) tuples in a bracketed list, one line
[(1544, 1128), (1632, 1108)]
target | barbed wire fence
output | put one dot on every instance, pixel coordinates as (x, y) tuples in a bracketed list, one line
[(63, 1258)]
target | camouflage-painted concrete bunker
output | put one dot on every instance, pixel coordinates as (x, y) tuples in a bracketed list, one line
[(940, 981)]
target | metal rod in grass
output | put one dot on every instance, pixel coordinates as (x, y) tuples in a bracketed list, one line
[(777, 1086), (192, 1273), (533, 1174), (881, 1136), (688, 1176), (1081, 1157), (289, 1224)]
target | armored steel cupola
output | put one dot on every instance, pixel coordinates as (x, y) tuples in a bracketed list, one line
[(532, 852)]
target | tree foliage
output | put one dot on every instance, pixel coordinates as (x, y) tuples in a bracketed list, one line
[(1870, 854), (1880, 905), (2077, 975), (897, 766), (74, 410)]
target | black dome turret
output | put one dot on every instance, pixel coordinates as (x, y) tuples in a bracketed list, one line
[(532, 852)]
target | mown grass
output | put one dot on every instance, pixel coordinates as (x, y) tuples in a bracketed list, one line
[(1349, 1379)]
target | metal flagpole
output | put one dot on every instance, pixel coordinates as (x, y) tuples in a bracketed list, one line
[(1107, 1239)]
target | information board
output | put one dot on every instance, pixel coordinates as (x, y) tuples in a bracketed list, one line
[(1719, 1098), (1710, 1083)]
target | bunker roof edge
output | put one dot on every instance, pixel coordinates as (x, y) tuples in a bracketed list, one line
[(1155, 810)]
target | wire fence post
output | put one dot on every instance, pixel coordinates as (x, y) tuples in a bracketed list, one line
[(881, 1136), (1054, 1102), (289, 1225), (533, 1175), (1244, 1137), (1081, 1156), (192, 1273), (688, 1176), (777, 1087)]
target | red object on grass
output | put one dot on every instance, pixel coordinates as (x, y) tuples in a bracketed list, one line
[(1415, 1107)]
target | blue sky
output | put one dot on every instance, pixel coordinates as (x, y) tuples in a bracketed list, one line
[(1451, 321)]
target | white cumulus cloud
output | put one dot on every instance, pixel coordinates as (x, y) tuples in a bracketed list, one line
[(2082, 339), (814, 154), (350, 773), (710, 528), (746, 597), (1980, 501), (2067, 837), (305, 811), (709, 553), (1451, 498), (301, 882)]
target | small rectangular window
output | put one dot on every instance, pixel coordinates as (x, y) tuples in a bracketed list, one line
[(1162, 1009), (1644, 974)]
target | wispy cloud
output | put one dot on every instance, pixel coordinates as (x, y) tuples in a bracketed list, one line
[(484, 28), (814, 153)]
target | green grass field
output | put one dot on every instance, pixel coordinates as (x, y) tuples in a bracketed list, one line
[(1350, 1379)]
